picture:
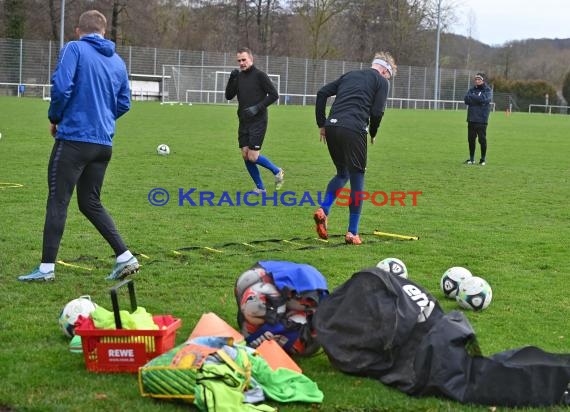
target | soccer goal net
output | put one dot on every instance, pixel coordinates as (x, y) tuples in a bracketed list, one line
[(198, 84)]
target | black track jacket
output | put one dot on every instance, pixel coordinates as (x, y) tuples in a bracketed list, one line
[(252, 87), (360, 97)]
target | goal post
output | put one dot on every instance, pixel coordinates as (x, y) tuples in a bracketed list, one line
[(223, 76), (198, 84), (547, 108)]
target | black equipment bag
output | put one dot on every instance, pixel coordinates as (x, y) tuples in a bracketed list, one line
[(387, 327)]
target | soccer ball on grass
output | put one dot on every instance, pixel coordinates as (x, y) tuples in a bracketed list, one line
[(163, 149), (394, 266), (474, 294), (71, 311), (451, 279)]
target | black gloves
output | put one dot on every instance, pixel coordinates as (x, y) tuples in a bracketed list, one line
[(373, 131), (234, 74), (374, 124), (251, 110)]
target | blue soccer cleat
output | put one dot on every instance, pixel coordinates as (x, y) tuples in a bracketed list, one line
[(37, 275), (123, 269)]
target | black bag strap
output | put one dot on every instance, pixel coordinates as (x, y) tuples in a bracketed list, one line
[(115, 301)]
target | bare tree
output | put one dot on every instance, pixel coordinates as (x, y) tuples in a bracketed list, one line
[(15, 18), (242, 22), (52, 19), (317, 15), (401, 26), (264, 12), (471, 30), (360, 25), (412, 28), (119, 7)]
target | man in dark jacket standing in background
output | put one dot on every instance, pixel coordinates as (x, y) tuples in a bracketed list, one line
[(478, 100)]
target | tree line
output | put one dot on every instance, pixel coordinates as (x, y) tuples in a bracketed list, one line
[(350, 30), (317, 29)]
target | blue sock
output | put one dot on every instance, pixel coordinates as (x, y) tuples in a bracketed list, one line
[(265, 162), (353, 222), (336, 183), (355, 207), (254, 173)]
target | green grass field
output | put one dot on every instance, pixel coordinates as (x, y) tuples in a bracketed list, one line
[(507, 222)]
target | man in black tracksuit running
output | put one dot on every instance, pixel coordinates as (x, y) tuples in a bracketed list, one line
[(358, 108), (254, 92)]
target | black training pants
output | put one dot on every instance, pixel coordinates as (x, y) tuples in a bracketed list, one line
[(475, 130), (82, 165), (347, 148)]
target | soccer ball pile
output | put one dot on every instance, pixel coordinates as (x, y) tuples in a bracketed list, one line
[(71, 311), (163, 149), (451, 280), (257, 294), (256, 300), (266, 311), (470, 292)]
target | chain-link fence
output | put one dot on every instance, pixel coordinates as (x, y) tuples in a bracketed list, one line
[(199, 77)]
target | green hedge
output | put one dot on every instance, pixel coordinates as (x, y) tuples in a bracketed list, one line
[(526, 91)]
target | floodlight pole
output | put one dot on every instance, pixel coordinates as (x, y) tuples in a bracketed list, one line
[(62, 24), (436, 85)]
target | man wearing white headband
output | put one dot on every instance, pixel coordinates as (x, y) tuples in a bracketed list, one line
[(478, 101), (384, 64), (360, 100)]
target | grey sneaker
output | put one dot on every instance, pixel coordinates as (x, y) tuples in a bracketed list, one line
[(469, 162), (279, 179), (482, 162), (37, 275), (124, 269), (258, 191)]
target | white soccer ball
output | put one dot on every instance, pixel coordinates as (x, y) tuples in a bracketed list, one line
[(394, 266), (68, 316), (250, 277), (451, 279), (163, 149), (297, 316), (474, 294), (255, 301)]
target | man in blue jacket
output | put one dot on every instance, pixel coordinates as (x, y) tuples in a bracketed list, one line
[(478, 100), (90, 91)]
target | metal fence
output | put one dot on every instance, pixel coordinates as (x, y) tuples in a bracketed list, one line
[(26, 67)]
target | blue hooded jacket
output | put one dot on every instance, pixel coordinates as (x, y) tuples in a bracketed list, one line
[(90, 91)]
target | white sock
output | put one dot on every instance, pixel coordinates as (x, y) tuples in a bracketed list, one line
[(47, 267), (125, 256)]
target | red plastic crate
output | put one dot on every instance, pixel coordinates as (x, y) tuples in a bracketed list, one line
[(125, 350), (122, 350)]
